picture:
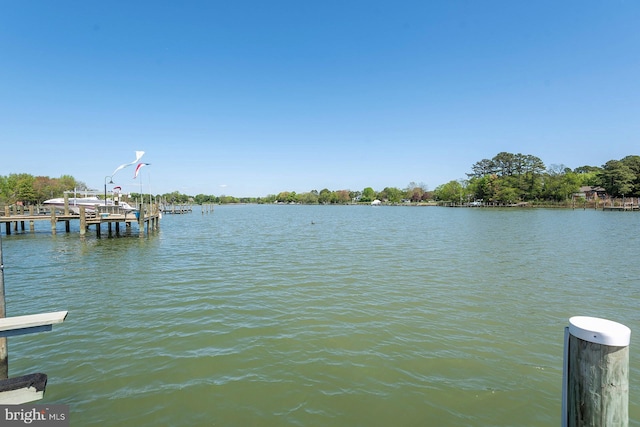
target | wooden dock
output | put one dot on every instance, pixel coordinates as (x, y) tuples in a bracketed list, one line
[(16, 217), (621, 208), (176, 209)]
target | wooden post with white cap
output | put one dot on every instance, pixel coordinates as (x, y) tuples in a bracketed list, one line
[(596, 373)]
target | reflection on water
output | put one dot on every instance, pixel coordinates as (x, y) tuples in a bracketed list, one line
[(321, 315)]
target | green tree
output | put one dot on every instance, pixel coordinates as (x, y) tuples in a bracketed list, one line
[(482, 168), (310, 198), (368, 195), (505, 163), (292, 197), (506, 190), (481, 188), (283, 197), (391, 194), (204, 198), (24, 190), (507, 178), (560, 183), (324, 196), (20, 188), (617, 178), (586, 169), (44, 188), (589, 175), (269, 198), (451, 191), (228, 199), (633, 163), (69, 183)]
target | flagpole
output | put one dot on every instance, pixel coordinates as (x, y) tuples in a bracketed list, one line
[(149, 190), (139, 155), (135, 175)]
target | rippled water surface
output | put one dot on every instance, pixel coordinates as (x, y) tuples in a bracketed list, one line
[(322, 315)]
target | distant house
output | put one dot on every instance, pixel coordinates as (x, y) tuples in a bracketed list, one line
[(590, 192)]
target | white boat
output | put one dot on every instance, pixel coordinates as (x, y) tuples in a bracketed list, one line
[(89, 204)]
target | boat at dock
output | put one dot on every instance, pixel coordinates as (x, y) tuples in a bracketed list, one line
[(89, 203)]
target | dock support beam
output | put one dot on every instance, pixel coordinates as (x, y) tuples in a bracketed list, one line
[(83, 221), (53, 221), (32, 224), (596, 373), (141, 220), (4, 353)]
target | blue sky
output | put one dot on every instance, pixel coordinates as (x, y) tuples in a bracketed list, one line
[(250, 98)]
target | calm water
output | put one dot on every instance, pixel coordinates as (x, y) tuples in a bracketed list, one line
[(319, 315)]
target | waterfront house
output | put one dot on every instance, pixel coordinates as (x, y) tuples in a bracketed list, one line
[(590, 192)]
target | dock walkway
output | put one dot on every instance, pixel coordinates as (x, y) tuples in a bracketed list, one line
[(621, 208)]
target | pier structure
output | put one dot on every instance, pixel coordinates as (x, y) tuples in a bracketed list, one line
[(147, 217), (622, 208), (176, 208), (206, 208)]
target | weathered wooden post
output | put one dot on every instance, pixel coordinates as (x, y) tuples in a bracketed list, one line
[(4, 354), (596, 373), (83, 220), (158, 216), (32, 224), (141, 221), (66, 203), (53, 221)]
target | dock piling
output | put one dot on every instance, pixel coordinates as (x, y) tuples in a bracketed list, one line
[(4, 354), (596, 373), (53, 221), (83, 221)]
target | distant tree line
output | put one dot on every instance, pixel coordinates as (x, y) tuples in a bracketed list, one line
[(512, 178), (413, 192), (505, 178), (29, 189)]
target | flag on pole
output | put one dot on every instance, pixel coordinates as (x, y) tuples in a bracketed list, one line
[(139, 155), (140, 165)]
